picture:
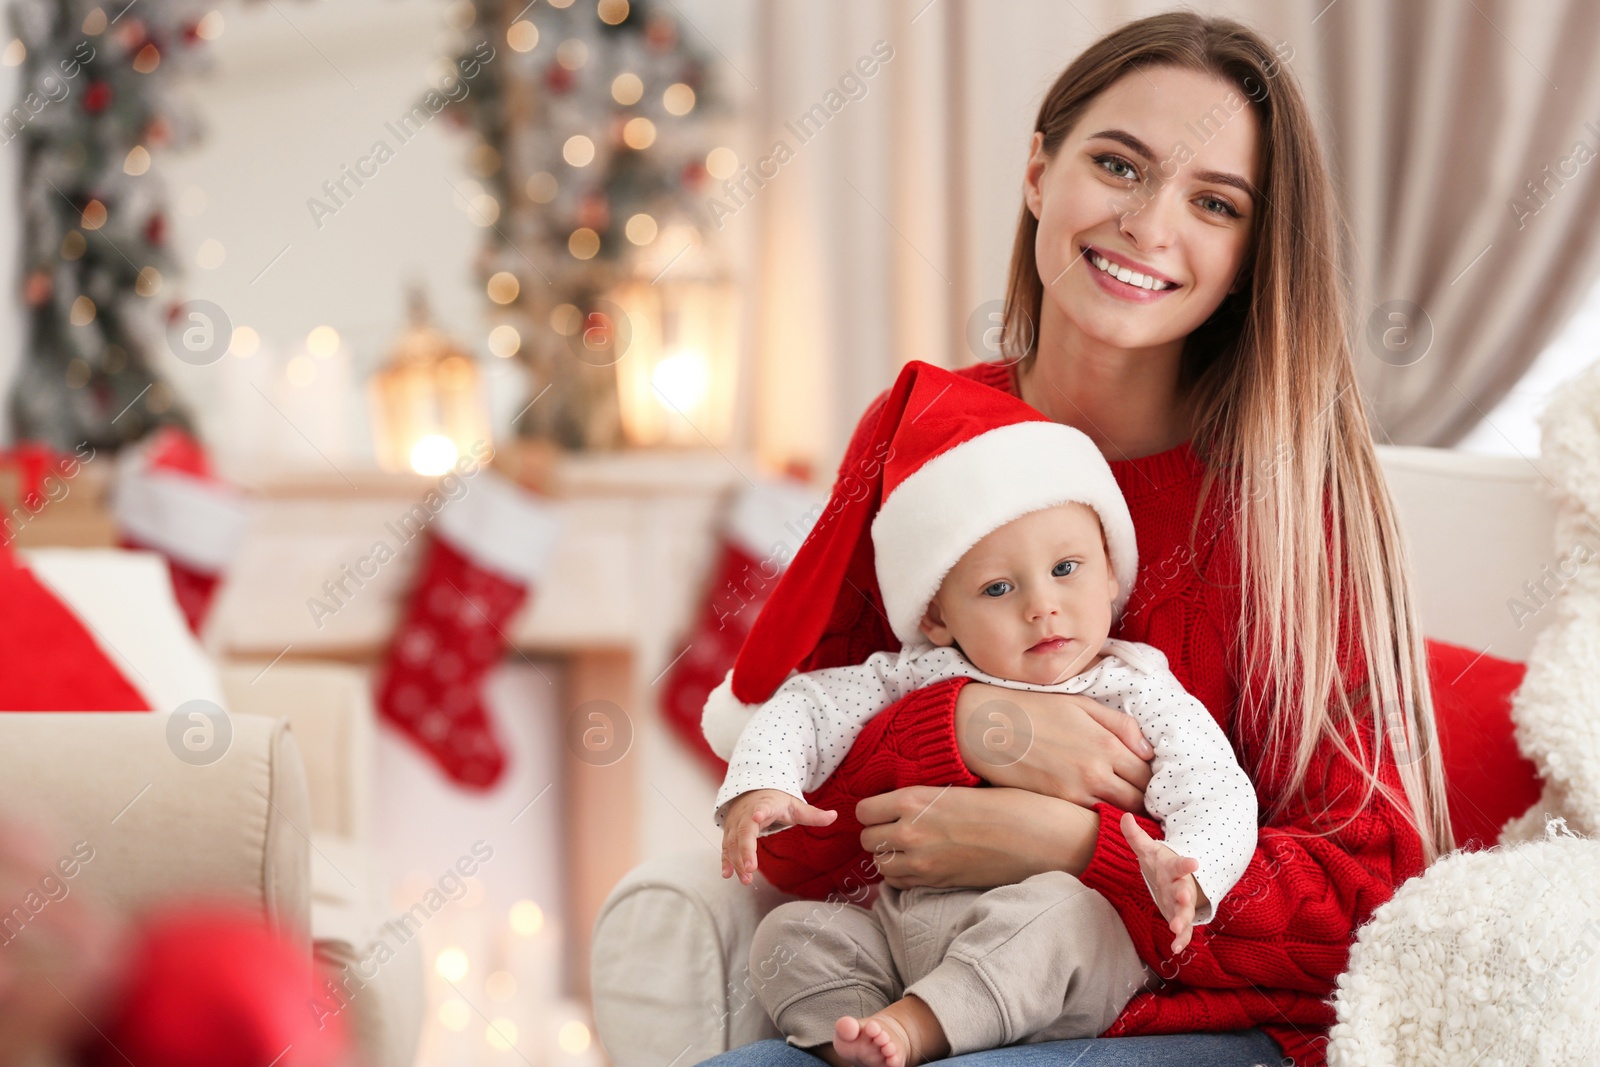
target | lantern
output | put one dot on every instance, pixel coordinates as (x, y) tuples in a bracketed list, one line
[(427, 400), (676, 380)]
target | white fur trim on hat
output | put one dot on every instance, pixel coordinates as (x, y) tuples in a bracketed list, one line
[(198, 523), (724, 718), (956, 498)]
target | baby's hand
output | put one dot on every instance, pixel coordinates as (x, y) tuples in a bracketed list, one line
[(750, 813), (1171, 876)]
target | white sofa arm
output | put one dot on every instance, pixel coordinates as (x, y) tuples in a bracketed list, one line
[(1487, 957), (379, 974), (670, 963), (160, 827), (329, 706)]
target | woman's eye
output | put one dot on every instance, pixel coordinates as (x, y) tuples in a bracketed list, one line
[(1064, 568), (1117, 161), (1110, 163), (997, 589)]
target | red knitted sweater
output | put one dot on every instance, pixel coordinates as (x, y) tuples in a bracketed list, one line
[(1279, 939)]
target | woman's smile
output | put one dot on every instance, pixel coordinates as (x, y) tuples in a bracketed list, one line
[(1139, 288), (1129, 270)]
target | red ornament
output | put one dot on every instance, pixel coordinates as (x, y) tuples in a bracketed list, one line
[(155, 231), (598, 329), (594, 211), (694, 174), (558, 78), (37, 289), (191, 33), (661, 34), (97, 97), (209, 982), (132, 36), (157, 132)]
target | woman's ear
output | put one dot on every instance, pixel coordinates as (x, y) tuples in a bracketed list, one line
[(933, 626), (1033, 173)]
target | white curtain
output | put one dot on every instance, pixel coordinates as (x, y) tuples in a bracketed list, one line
[(857, 265)]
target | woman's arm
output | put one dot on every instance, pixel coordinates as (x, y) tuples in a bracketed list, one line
[(802, 733), (1330, 854), (955, 836), (1290, 919), (912, 742), (1062, 745), (962, 838)]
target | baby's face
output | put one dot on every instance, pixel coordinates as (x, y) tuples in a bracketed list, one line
[(1031, 602)]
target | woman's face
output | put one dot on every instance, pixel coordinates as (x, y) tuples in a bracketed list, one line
[(1142, 180)]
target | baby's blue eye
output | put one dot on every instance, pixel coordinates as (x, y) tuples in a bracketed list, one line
[(1064, 568), (997, 589)]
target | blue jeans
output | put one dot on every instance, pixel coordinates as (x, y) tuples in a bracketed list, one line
[(1241, 1048)]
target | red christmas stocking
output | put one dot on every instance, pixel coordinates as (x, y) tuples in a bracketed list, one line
[(167, 499), (759, 537), (487, 549)]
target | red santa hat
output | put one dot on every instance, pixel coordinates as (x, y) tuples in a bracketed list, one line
[(949, 461)]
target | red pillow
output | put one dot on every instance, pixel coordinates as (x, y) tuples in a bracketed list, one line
[(1488, 779), (48, 659)]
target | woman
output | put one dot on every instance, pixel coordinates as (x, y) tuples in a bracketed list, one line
[(1221, 387)]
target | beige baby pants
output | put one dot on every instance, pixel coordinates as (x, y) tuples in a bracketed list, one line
[(1041, 960)]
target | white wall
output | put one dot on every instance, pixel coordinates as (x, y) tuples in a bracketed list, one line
[(299, 91)]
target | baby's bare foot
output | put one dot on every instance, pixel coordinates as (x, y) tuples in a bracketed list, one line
[(876, 1041), (905, 1034)]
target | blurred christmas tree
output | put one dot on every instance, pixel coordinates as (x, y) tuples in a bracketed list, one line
[(93, 107), (595, 121)]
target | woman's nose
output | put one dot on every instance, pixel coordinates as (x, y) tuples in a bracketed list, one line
[(1141, 216)]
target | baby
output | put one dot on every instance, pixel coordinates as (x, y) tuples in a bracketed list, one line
[(1004, 552)]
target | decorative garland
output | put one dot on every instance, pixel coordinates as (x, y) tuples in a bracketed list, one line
[(92, 109), (594, 131)]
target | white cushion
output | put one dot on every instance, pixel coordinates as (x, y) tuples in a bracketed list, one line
[(1478, 528), (124, 598)]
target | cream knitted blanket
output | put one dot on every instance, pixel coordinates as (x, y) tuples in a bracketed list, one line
[(1493, 958)]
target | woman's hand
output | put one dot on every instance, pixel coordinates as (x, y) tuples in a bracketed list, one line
[(972, 836), (1062, 745)]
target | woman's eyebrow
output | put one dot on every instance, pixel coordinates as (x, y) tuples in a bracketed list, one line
[(1219, 177)]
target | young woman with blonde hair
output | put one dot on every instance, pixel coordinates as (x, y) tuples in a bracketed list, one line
[(1175, 292)]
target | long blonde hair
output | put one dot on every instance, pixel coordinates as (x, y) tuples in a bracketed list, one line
[(1278, 409)]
